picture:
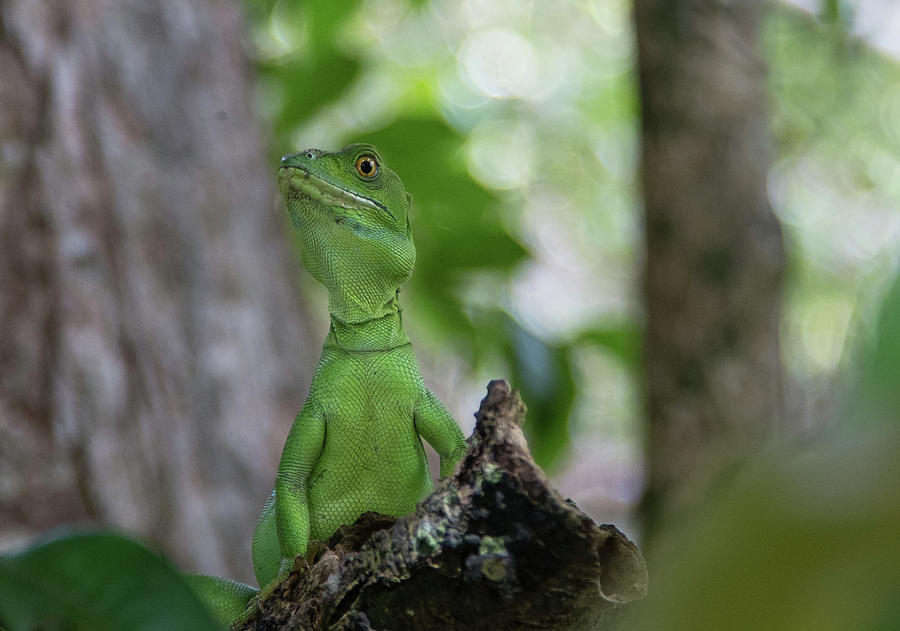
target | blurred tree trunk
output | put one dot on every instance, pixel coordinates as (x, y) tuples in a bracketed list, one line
[(714, 253), (151, 332)]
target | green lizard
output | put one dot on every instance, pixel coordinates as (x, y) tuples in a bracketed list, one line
[(355, 446)]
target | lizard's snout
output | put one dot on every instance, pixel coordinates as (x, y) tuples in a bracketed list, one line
[(290, 160), (298, 159)]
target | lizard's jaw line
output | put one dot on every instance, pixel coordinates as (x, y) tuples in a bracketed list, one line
[(325, 192)]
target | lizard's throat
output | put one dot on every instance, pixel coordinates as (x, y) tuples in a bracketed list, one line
[(383, 330)]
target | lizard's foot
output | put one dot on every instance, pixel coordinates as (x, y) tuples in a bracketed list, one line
[(300, 563)]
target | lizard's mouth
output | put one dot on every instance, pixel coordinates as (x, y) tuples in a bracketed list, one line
[(298, 181)]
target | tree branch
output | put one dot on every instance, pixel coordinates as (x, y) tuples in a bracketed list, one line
[(493, 547)]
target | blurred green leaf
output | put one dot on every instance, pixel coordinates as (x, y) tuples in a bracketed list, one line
[(96, 581), (326, 18), (877, 399), (542, 373), (307, 84), (623, 341)]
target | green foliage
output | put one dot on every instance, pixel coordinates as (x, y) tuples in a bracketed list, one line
[(834, 183), (318, 62), (829, 89), (877, 399), (623, 341), (543, 372), (331, 71), (97, 581)]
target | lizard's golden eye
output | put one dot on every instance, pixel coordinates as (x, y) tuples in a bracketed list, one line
[(367, 166)]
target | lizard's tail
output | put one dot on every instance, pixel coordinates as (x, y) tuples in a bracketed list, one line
[(227, 600)]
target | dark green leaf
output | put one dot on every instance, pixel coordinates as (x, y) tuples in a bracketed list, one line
[(877, 398), (97, 581), (307, 85), (542, 373)]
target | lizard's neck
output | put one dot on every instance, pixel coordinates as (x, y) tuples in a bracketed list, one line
[(383, 331)]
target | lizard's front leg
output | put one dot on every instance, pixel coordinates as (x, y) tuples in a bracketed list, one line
[(301, 453), (435, 425)]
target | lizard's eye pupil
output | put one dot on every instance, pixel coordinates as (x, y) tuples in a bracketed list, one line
[(366, 166)]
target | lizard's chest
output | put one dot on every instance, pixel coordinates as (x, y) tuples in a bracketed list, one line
[(367, 393), (372, 453)]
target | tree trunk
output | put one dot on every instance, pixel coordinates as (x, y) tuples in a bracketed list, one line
[(714, 253), (494, 547), (151, 333)]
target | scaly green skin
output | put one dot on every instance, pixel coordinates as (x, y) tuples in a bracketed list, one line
[(355, 446)]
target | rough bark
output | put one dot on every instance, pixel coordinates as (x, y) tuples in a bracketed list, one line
[(151, 335), (494, 547), (714, 253)]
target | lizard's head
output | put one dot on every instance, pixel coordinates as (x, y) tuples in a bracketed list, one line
[(351, 214)]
